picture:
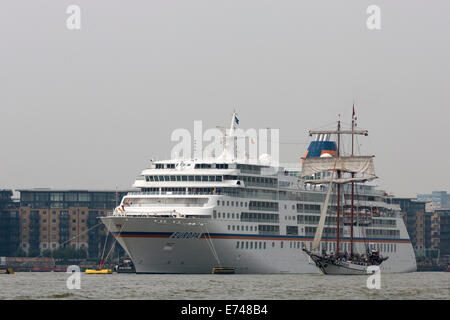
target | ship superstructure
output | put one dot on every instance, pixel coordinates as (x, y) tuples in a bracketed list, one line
[(192, 215)]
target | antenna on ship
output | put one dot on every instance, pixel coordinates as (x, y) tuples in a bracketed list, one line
[(226, 149)]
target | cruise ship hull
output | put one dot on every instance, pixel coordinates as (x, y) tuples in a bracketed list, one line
[(195, 246)]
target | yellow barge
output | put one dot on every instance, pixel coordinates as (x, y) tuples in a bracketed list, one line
[(101, 271)]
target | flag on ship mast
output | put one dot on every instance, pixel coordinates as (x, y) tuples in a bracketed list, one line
[(354, 114)]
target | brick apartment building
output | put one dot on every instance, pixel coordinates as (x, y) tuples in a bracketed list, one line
[(52, 218)]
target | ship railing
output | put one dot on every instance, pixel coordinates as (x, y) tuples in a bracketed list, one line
[(148, 193), (162, 215), (259, 184), (162, 204), (260, 220)]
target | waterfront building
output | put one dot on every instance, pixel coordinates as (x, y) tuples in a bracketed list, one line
[(9, 224), (417, 220), (443, 217), (53, 218), (439, 199)]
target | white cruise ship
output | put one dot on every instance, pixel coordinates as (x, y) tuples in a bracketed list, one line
[(192, 215)]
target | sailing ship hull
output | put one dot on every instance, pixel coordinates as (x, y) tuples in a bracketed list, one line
[(339, 267), (349, 269)]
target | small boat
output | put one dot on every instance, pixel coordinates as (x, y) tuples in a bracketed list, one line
[(6, 270), (125, 266), (100, 271), (223, 270)]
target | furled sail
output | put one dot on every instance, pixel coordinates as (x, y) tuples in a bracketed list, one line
[(321, 224), (355, 164), (341, 180)]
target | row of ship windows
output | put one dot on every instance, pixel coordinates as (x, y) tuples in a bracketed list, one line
[(232, 203), (345, 247), (382, 247), (197, 165), (225, 215), (263, 245), (241, 228), (182, 178), (267, 182)]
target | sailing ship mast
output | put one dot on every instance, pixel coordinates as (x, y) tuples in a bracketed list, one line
[(340, 164), (360, 169), (338, 186), (353, 186)]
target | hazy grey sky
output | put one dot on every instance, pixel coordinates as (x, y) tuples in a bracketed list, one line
[(88, 108)]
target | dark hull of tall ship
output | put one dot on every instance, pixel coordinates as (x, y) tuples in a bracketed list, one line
[(338, 267)]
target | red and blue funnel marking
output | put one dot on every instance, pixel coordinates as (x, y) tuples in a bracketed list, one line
[(319, 148)]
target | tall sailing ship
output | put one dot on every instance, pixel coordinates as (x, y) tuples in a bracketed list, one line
[(335, 171), (195, 216)]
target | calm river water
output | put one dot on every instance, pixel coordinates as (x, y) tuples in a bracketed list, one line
[(49, 285)]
